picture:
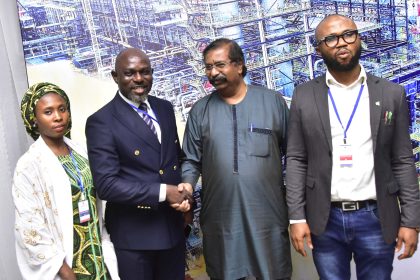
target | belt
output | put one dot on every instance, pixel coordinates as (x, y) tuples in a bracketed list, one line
[(352, 205)]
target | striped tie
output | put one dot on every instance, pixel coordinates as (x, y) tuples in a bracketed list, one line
[(146, 117)]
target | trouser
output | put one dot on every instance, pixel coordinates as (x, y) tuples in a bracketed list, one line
[(152, 264), (353, 234)]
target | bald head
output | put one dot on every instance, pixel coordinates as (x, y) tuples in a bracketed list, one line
[(323, 26), (133, 74), (339, 44), (125, 54)]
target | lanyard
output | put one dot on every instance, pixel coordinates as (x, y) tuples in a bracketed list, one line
[(352, 113), (143, 112), (79, 178)]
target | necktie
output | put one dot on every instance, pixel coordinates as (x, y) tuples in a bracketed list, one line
[(146, 117)]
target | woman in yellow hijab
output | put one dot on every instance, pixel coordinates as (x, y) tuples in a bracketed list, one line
[(58, 228)]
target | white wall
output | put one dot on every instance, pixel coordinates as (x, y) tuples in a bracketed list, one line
[(13, 140)]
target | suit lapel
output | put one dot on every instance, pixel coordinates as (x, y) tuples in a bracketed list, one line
[(320, 93), (130, 119), (375, 105)]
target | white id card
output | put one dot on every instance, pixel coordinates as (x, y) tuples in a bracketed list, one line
[(84, 213), (345, 154)]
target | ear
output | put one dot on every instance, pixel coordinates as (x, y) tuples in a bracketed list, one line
[(241, 67), (114, 76), (317, 50)]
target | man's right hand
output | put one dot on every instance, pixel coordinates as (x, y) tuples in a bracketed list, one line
[(179, 198), (298, 233)]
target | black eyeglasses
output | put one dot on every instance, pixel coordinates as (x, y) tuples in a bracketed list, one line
[(331, 41), (218, 65)]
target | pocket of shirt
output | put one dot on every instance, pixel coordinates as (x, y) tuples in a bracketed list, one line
[(259, 142)]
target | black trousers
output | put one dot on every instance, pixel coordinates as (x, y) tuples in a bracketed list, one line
[(245, 278), (152, 264)]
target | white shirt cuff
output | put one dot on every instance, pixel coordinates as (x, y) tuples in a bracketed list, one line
[(297, 221), (162, 193)]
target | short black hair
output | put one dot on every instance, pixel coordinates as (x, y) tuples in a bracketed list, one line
[(235, 52)]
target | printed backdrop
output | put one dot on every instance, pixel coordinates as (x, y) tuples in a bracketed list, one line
[(74, 44)]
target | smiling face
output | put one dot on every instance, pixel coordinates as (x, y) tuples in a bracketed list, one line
[(223, 73), (52, 117), (133, 74), (344, 56)]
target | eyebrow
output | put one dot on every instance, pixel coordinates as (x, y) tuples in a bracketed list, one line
[(51, 106), (334, 34), (216, 61)]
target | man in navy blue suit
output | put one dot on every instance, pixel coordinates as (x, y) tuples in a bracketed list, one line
[(134, 154)]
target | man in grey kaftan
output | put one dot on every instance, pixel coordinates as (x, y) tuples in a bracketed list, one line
[(237, 147)]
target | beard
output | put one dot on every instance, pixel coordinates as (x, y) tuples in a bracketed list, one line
[(137, 98), (333, 63)]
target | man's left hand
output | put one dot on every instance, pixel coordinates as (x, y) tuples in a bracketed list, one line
[(409, 237)]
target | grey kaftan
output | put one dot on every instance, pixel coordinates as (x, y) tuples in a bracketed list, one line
[(238, 150)]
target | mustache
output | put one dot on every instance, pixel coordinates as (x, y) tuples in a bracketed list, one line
[(342, 50), (141, 85), (219, 77)]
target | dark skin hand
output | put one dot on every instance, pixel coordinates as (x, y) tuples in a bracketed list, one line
[(188, 217), (298, 233), (409, 237), (66, 273), (174, 196)]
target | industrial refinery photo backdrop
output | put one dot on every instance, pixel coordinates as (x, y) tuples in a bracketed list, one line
[(73, 43)]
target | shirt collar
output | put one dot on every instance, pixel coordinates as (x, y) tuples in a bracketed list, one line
[(135, 104), (329, 79)]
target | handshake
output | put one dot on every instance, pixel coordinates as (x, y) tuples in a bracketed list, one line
[(180, 197)]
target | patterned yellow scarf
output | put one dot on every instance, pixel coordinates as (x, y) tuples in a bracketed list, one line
[(28, 104)]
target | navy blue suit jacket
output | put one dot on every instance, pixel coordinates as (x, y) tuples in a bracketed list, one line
[(128, 165)]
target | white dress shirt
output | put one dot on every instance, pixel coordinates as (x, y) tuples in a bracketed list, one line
[(358, 181)]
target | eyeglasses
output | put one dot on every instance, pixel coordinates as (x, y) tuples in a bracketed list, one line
[(218, 65), (331, 41)]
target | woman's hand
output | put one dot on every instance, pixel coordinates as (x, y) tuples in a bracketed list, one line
[(66, 273)]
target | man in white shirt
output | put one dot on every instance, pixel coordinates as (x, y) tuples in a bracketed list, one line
[(352, 189)]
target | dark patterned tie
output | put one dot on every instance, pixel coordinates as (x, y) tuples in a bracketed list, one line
[(146, 117)]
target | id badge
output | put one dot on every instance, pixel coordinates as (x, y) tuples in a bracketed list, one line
[(345, 155), (84, 213)]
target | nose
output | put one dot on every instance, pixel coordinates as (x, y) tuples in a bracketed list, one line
[(341, 41), (138, 77), (213, 72), (58, 115)]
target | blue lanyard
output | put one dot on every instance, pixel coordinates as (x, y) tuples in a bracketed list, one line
[(143, 112), (79, 178), (352, 113)]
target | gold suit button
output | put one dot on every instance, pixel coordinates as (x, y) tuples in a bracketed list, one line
[(137, 152), (161, 172), (175, 167)]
